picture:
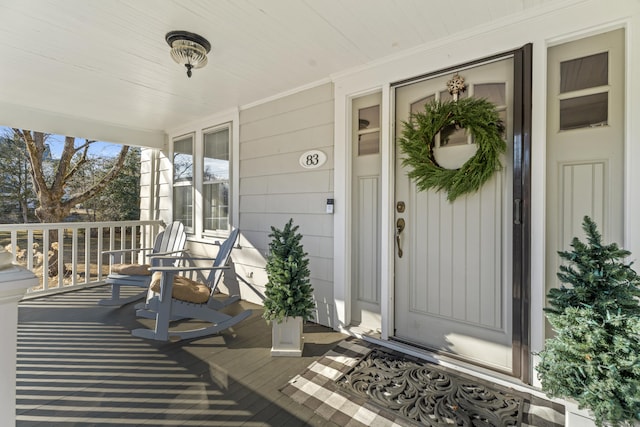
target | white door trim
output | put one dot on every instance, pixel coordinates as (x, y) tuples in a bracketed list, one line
[(387, 245), (342, 242)]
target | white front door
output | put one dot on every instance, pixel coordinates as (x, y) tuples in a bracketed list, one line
[(453, 281)]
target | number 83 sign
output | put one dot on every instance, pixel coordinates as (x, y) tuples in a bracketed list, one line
[(312, 159)]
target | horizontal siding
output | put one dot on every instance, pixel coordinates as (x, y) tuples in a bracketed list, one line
[(145, 183), (274, 188), (291, 103), (283, 124), (283, 203), (310, 225), (286, 163), (316, 181), (319, 137)]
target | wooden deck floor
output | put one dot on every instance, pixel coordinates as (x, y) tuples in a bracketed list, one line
[(79, 365)]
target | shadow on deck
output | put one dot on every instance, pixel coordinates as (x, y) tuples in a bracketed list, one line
[(79, 365)]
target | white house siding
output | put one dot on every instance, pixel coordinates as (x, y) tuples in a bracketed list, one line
[(274, 187), (155, 200)]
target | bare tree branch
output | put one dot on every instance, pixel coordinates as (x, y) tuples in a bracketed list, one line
[(35, 149), (81, 161), (102, 183), (52, 204)]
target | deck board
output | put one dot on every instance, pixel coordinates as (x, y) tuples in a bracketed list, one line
[(79, 365)]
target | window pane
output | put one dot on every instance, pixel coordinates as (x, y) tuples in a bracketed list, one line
[(584, 111), (183, 205), (450, 135), (183, 160), (216, 208), (446, 96), (369, 118), (583, 73), (369, 143), (492, 92), (216, 156), (368, 137), (215, 188), (418, 106)]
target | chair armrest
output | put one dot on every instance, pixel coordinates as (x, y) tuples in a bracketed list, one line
[(123, 251), (180, 269), (184, 258), (176, 254)]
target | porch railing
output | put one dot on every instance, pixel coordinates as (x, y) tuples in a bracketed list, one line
[(68, 255)]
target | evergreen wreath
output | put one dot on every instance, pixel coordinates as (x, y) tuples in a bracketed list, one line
[(480, 118)]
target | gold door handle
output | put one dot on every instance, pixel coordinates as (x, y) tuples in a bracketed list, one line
[(399, 228)]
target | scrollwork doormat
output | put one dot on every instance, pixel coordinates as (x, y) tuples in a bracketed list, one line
[(360, 384), (419, 391)]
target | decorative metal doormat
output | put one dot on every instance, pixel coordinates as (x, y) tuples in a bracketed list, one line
[(319, 387), (430, 395)]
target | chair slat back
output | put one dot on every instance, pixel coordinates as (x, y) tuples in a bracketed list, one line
[(157, 244), (222, 259), (173, 237)]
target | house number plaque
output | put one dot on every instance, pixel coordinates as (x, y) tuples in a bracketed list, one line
[(312, 159)]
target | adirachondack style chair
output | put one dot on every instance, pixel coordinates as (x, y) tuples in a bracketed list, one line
[(174, 297), (171, 241)]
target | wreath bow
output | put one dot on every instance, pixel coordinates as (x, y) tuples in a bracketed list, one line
[(480, 118)]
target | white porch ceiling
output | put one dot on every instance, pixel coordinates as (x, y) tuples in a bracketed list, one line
[(106, 61)]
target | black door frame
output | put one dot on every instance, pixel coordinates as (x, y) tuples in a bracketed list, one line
[(521, 259)]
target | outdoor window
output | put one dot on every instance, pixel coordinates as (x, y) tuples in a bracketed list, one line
[(369, 130), (215, 180), (203, 180), (183, 181), (584, 92), (418, 106)]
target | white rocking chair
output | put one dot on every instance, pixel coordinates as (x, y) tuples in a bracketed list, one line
[(173, 297), (171, 241)]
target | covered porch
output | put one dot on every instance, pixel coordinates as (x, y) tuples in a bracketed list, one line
[(287, 81), (78, 364)]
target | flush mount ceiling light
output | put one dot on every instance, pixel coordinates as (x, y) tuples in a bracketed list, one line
[(188, 49)]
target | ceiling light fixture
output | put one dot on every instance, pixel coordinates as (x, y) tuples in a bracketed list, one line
[(188, 49)]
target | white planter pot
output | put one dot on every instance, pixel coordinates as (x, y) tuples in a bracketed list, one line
[(287, 337)]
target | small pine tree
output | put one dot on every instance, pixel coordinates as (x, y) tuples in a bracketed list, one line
[(594, 357), (288, 292)]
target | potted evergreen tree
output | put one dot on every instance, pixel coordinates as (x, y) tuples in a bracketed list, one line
[(288, 295), (594, 358)]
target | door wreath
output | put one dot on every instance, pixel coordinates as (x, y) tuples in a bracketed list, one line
[(480, 118)]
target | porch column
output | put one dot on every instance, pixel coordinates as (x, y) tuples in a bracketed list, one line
[(14, 281)]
